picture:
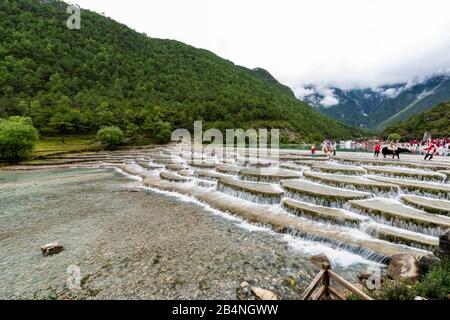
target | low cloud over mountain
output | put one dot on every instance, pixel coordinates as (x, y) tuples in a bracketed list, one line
[(377, 107)]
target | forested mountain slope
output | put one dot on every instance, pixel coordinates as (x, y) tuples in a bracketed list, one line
[(436, 121), (107, 74)]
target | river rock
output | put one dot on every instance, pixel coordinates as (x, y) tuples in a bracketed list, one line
[(428, 261), (320, 259), (364, 275), (444, 246), (404, 267), (51, 248), (263, 294)]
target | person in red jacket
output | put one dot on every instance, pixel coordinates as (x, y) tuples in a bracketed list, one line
[(430, 151), (313, 150), (377, 150)]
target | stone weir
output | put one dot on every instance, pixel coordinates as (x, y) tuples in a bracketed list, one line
[(319, 194), (202, 164), (401, 236), (159, 156), (376, 250), (228, 169), (173, 176), (401, 216), (176, 167), (133, 171), (430, 205), (353, 182), (167, 161), (149, 166), (302, 158), (210, 175), (268, 174), (405, 173), (254, 191), (386, 162), (434, 189), (254, 163), (322, 214), (446, 172), (294, 167), (335, 168)]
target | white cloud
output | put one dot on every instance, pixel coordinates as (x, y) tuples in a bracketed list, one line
[(329, 101), (302, 92), (343, 43), (392, 92)]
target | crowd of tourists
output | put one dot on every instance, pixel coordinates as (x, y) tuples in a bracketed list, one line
[(425, 147), (428, 148)]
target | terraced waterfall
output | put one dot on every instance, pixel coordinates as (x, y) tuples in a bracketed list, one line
[(370, 207)]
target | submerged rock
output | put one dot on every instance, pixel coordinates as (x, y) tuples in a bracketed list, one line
[(51, 248), (428, 261), (263, 294), (404, 267), (320, 259), (444, 246)]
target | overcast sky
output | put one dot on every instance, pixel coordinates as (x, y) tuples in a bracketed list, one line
[(346, 43)]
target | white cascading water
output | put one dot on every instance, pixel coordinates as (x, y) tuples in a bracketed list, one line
[(340, 253)]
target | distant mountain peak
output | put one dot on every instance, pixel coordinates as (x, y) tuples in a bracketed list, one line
[(377, 106)]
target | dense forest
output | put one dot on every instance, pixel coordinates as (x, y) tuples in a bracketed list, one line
[(77, 81), (435, 121)]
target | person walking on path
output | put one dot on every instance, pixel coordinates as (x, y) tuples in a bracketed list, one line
[(431, 150), (377, 150)]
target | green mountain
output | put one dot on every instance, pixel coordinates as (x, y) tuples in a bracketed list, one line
[(108, 74), (435, 121)]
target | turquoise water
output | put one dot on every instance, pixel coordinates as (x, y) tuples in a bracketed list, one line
[(35, 209)]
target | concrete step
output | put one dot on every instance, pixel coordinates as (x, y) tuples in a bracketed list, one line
[(343, 181), (404, 172), (427, 204), (228, 169), (254, 191), (401, 236), (172, 176), (268, 174), (320, 194), (335, 168), (436, 189), (403, 216), (321, 213)]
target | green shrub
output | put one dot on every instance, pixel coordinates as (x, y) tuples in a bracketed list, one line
[(395, 290), (436, 283), (110, 137), (17, 138), (351, 296), (163, 136)]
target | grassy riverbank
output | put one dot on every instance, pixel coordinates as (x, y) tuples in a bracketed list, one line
[(53, 145)]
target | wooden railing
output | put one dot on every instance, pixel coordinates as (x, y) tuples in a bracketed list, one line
[(321, 289)]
